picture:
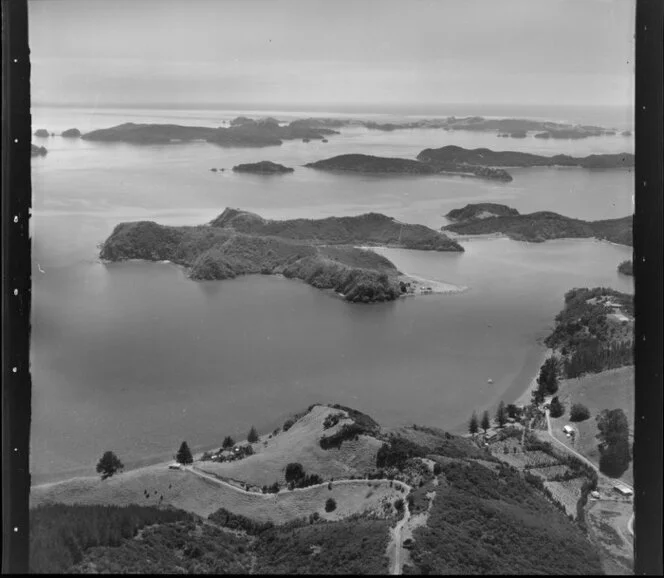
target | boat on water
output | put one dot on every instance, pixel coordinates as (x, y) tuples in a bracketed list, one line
[(489, 381)]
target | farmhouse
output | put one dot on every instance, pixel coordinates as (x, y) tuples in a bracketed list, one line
[(568, 429)]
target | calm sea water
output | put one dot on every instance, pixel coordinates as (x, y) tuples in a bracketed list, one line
[(135, 357)]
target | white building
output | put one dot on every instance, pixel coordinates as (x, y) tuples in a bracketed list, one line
[(622, 489), (568, 429)]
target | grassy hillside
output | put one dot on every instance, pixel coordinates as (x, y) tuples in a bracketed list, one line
[(606, 390), (481, 211), (538, 227), (300, 443)]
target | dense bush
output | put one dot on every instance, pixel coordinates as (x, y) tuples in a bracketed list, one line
[(330, 505), (238, 522), (346, 432), (396, 452), (556, 408), (579, 412), (614, 442), (60, 534)]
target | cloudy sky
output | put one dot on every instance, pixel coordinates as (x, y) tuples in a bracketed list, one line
[(331, 52)]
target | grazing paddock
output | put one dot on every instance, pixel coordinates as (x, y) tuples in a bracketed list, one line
[(567, 493), (606, 390), (201, 496), (301, 444)]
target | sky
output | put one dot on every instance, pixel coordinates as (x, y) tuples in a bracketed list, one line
[(327, 53)]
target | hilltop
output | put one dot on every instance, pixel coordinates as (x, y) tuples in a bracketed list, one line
[(318, 251), (242, 133), (476, 219), (439, 490), (487, 157), (370, 164)]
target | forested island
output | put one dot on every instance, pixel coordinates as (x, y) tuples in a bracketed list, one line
[(262, 168), (535, 227), (369, 164), (36, 151), (241, 132), (319, 251), (487, 157), (71, 133), (512, 127), (626, 268)]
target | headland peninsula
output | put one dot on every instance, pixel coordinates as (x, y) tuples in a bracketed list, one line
[(492, 218), (321, 252)]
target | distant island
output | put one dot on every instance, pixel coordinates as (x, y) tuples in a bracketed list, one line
[(535, 227), (370, 164), (42, 133), (321, 252), (505, 127), (71, 133), (487, 157), (262, 168), (36, 151), (626, 268), (241, 132)]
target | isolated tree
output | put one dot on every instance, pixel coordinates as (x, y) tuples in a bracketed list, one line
[(184, 455), (556, 409), (228, 443), (614, 442), (473, 424), (330, 505), (501, 414), (614, 459), (578, 412), (513, 411), (486, 421), (252, 436), (108, 465), (294, 472)]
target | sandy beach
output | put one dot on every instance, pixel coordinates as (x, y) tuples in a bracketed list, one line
[(424, 286), (524, 398)]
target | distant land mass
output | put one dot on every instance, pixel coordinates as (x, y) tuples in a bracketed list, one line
[(36, 151), (262, 168), (535, 227), (369, 164), (626, 268), (71, 133), (487, 157), (42, 133), (319, 251), (242, 132), (514, 127)]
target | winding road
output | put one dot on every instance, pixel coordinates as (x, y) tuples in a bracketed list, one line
[(397, 542)]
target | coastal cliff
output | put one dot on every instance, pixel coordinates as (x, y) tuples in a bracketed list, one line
[(535, 227), (320, 252)]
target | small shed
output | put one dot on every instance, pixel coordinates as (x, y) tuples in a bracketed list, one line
[(624, 490), (174, 466), (568, 429)]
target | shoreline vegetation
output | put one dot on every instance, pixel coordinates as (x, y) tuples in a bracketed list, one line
[(320, 252), (485, 219)]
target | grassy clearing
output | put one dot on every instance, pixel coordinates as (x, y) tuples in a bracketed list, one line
[(607, 390), (549, 472), (301, 444), (566, 493), (200, 496), (607, 529)]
